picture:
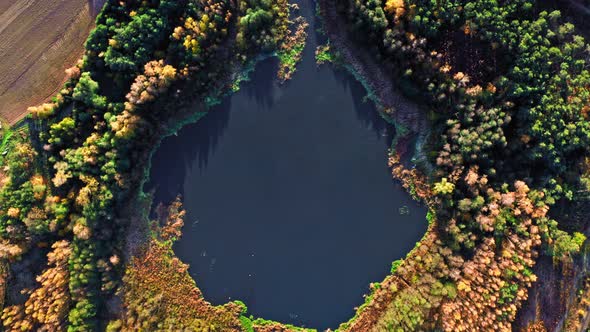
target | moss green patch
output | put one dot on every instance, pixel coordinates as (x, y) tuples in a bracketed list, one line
[(324, 54)]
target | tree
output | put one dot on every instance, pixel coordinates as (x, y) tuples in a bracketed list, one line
[(86, 92), (444, 187)]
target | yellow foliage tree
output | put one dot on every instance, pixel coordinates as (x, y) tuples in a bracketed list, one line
[(396, 8)]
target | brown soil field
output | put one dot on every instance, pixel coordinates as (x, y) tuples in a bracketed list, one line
[(39, 39)]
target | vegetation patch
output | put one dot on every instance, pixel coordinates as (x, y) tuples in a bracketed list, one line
[(291, 49), (323, 54)]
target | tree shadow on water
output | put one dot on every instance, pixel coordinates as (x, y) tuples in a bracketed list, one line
[(262, 83), (191, 147), (195, 143), (365, 109)]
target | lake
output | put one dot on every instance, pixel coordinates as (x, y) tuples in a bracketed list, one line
[(290, 205)]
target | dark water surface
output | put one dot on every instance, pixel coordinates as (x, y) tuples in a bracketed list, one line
[(290, 205)]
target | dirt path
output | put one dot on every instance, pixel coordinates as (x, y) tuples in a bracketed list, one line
[(39, 39)]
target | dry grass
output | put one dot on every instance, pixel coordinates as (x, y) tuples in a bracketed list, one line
[(39, 39)]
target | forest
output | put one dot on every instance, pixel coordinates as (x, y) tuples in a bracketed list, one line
[(507, 88)]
